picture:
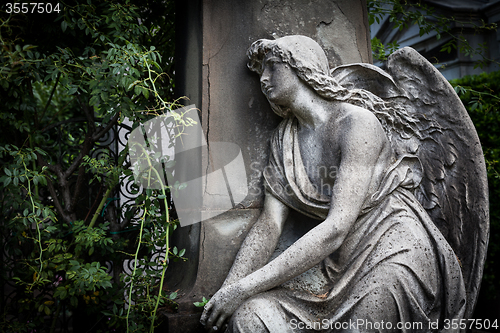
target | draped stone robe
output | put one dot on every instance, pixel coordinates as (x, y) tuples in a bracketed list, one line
[(394, 265)]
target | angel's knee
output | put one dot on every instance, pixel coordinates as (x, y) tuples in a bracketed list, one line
[(258, 314), (248, 317)]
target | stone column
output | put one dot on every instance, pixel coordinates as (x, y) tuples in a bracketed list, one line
[(213, 37)]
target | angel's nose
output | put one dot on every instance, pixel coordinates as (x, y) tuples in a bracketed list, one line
[(265, 76)]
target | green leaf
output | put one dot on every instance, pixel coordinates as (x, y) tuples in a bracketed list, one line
[(7, 181), (202, 303), (104, 96), (94, 100), (61, 292), (74, 263), (474, 106), (40, 151), (137, 90), (64, 25), (133, 84), (72, 90)]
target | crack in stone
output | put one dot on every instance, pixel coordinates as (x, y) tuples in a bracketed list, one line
[(325, 23), (355, 31), (208, 125), (341, 10), (203, 244)]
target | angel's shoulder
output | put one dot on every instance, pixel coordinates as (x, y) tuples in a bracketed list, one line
[(355, 120), (360, 130)]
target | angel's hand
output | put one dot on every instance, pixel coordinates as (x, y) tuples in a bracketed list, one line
[(221, 306)]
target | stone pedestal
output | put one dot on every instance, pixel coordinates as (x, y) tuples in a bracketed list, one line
[(213, 37)]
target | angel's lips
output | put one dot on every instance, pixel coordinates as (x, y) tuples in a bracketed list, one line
[(266, 89)]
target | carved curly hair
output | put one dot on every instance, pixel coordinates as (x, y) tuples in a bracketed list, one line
[(310, 63)]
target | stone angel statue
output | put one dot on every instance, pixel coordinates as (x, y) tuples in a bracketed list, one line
[(402, 225)]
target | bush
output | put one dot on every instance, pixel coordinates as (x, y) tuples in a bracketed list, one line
[(68, 80), (481, 96)]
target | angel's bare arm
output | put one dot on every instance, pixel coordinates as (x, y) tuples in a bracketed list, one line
[(261, 241), (361, 148), (362, 144)]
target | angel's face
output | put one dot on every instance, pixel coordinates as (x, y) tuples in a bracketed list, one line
[(278, 81)]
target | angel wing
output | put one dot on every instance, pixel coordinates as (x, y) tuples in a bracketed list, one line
[(454, 188)]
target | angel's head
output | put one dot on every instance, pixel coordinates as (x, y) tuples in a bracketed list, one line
[(301, 54), (307, 61)]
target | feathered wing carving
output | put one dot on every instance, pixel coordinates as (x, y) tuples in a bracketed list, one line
[(454, 188)]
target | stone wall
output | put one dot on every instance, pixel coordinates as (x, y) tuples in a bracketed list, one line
[(213, 37)]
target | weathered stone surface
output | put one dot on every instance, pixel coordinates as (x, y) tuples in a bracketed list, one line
[(228, 28), (335, 25), (213, 37), (397, 181), (233, 109)]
